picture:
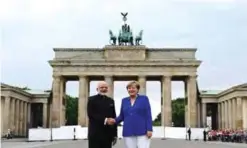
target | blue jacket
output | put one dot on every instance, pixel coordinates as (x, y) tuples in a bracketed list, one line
[(137, 118)]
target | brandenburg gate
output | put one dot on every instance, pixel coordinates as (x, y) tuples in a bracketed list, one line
[(126, 59)]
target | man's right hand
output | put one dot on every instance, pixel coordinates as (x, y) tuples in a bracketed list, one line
[(110, 121)]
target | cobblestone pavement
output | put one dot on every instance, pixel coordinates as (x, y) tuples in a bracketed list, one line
[(156, 143)]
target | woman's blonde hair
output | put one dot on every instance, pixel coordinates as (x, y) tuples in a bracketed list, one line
[(133, 83)]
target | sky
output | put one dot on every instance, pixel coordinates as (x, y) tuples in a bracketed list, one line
[(30, 29)]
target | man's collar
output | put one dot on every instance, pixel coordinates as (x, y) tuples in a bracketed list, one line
[(102, 95)]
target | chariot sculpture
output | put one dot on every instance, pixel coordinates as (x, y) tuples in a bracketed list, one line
[(125, 36)]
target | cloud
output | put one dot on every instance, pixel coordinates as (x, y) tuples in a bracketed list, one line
[(211, 1), (12, 10), (30, 29)]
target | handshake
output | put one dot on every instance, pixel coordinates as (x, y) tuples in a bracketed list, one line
[(110, 121)]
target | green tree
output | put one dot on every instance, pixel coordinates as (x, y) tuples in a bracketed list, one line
[(158, 118), (178, 113), (71, 110)]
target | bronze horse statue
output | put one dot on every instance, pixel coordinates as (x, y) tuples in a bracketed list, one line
[(113, 38), (138, 38), (125, 36)]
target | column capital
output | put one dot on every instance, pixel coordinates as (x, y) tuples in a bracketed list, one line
[(108, 76), (7, 98), (62, 78), (192, 76), (55, 76), (82, 76), (239, 100), (239, 97), (142, 76), (167, 76)]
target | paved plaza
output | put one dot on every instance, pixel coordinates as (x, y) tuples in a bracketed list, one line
[(156, 143)]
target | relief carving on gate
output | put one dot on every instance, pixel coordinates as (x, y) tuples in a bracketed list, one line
[(125, 54)]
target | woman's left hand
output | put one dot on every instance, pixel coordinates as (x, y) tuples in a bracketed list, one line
[(149, 134)]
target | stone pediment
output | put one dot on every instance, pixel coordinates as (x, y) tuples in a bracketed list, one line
[(3, 85), (242, 86)]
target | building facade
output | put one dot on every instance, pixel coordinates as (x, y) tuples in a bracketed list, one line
[(120, 63), (228, 108), (23, 109)]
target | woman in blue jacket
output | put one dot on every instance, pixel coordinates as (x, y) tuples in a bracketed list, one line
[(136, 114)]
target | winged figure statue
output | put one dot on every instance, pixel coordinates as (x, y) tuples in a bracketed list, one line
[(124, 16)]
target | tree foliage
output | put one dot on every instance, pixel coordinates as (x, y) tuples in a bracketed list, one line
[(178, 113), (71, 110)]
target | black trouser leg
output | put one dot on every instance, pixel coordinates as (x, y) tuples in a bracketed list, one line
[(99, 143)]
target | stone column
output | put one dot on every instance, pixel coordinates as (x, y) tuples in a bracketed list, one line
[(142, 82), (21, 118), (82, 104), (29, 114), (167, 106), (6, 114), (226, 114), (2, 116), (186, 103), (222, 115), (12, 115), (204, 114), (239, 122), (234, 113), (50, 115), (56, 102), (25, 118), (87, 94), (110, 82), (44, 115), (192, 101), (17, 117), (230, 113), (186, 121), (161, 104), (219, 115), (244, 113), (198, 114), (62, 101), (162, 116)]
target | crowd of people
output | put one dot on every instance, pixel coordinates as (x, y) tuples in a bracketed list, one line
[(238, 136)]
